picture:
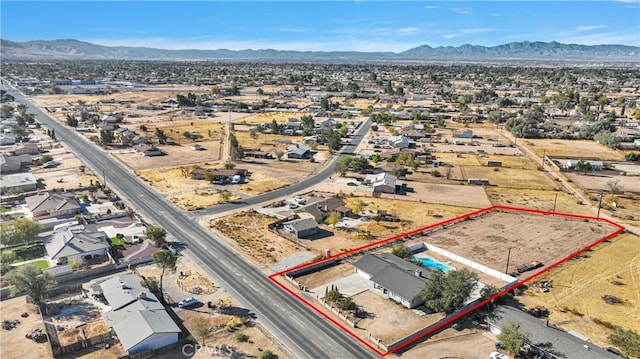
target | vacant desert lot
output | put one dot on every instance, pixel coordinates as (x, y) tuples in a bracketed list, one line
[(536, 199), (579, 285), (531, 237), (569, 148), (601, 181), (249, 230)]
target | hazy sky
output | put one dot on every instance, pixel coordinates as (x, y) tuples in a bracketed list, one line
[(322, 25)]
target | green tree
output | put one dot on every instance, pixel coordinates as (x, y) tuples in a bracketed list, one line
[(31, 280), (225, 195), (333, 218), (161, 136), (343, 165), (632, 157), (607, 138), (46, 158), (583, 166), (208, 176), (359, 164), (308, 125), (229, 165), (19, 231), (166, 261), (268, 354), (357, 206), (200, 326), (512, 337), (72, 121), (6, 258), (401, 251), (448, 292), (627, 341), (253, 133), (106, 137), (150, 283), (157, 235)]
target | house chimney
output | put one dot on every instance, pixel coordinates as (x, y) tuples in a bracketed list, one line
[(418, 273)]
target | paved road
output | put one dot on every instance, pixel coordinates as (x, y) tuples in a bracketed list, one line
[(323, 174), (301, 330)]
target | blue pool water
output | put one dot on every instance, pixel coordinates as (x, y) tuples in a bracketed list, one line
[(431, 263)]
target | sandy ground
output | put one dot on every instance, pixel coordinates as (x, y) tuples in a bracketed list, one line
[(453, 344), (532, 237), (536, 199), (249, 230), (579, 285), (569, 148), (13, 344), (598, 181), (389, 321)]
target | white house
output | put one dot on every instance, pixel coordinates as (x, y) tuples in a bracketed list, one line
[(595, 165), (136, 317), (401, 141), (382, 182)]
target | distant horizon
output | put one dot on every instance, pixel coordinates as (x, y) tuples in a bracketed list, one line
[(363, 26), (327, 51)]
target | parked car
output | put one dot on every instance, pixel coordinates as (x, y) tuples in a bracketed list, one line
[(300, 200), (186, 302), (293, 205), (135, 239)]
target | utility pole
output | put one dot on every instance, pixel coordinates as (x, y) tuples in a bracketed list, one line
[(544, 154), (506, 271), (104, 178), (554, 203), (599, 204)]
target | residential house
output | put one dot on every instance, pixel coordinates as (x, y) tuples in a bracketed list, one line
[(9, 164), (463, 134), (393, 277), (595, 165), (401, 141), (136, 317), (7, 139), (25, 148), (382, 182), (18, 183), (392, 168), (79, 242), (321, 209), (556, 343), (137, 140), (301, 228), (148, 150), (219, 175), (258, 154), (123, 135), (198, 173), (414, 134), (298, 151), (328, 123), (47, 204)]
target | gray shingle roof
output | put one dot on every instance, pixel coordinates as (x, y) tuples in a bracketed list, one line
[(140, 325), (51, 202), (393, 273), (74, 240), (561, 343), (302, 224), (124, 289)]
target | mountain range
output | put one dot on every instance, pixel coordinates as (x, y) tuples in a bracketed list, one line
[(70, 49)]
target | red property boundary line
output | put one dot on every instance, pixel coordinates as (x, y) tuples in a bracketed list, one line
[(619, 230)]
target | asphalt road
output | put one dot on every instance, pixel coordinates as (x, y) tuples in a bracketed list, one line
[(323, 174), (302, 331)]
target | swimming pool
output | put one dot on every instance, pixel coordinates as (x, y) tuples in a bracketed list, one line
[(432, 263)]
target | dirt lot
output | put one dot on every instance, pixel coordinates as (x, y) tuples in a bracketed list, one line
[(389, 321), (249, 230), (506, 177), (13, 344), (454, 344), (600, 181), (79, 317), (532, 237), (579, 284), (175, 155), (569, 148), (536, 199)]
